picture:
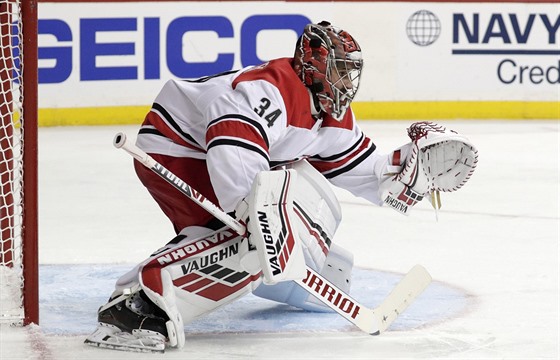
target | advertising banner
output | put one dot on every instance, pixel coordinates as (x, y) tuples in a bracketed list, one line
[(420, 58)]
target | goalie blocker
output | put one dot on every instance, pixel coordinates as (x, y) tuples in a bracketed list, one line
[(291, 225)]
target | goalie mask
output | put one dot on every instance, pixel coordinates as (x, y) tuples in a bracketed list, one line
[(329, 62)]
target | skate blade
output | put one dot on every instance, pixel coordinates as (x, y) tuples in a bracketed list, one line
[(110, 337), (124, 347)]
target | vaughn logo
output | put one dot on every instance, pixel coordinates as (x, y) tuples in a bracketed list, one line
[(210, 259), (396, 204), (196, 247), (272, 248)]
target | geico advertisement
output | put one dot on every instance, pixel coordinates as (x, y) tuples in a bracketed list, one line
[(102, 54)]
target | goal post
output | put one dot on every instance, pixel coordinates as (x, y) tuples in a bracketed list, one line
[(19, 295)]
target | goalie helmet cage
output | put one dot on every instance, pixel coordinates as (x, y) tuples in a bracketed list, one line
[(19, 295)]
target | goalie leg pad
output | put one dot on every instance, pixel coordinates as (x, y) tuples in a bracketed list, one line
[(184, 281), (318, 217), (271, 226), (337, 269), (318, 213), (197, 276), (129, 280), (288, 213)]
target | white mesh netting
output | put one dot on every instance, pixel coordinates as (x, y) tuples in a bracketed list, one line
[(11, 141)]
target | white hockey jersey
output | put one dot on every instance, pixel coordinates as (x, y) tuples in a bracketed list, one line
[(246, 121)]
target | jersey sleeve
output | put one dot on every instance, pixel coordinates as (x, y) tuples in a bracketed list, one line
[(351, 161), (239, 136)]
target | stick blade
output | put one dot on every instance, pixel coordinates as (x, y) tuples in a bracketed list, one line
[(406, 291)]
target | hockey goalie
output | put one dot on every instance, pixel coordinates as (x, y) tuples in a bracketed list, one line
[(265, 143)]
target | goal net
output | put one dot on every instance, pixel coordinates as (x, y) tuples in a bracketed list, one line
[(18, 162)]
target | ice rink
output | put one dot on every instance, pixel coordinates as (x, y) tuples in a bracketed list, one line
[(493, 254)]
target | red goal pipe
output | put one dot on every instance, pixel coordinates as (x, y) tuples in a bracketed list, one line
[(30, 153), (6, 133), (28, 122)]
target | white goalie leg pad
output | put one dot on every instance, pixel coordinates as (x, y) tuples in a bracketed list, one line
[(318, 217), (271, 226), (128, 282), (249, 259), (318, 210), (192, 277), (337, 268)]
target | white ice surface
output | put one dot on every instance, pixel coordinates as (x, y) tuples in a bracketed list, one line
[(497, 241)]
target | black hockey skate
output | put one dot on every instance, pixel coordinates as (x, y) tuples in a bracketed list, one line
[(135, 312), (133, 324)]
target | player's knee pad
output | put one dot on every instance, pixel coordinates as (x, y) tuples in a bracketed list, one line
[(337, 268)]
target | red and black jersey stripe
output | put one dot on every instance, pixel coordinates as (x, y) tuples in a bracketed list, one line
[(238, 130), (346, 160), (166, 126)]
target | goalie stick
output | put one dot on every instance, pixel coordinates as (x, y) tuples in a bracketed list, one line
[(372, 321)]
